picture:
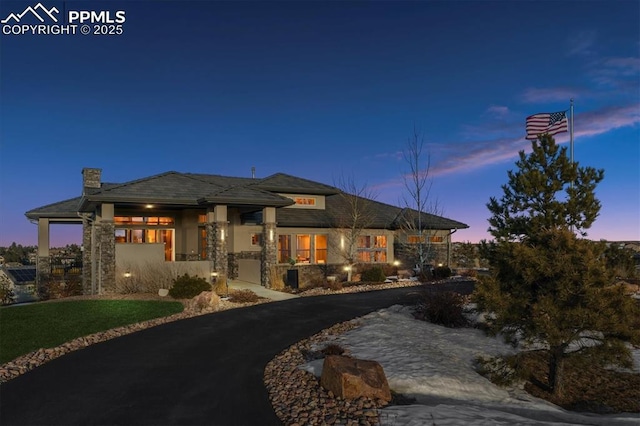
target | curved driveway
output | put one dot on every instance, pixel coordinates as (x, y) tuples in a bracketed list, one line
[(206, 370)]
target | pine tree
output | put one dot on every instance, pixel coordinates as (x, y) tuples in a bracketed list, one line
[(548, 286)]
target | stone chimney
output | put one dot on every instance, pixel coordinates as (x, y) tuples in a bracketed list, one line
[(90, 179)]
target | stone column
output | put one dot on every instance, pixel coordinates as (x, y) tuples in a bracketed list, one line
[(269, 245), (105, 233), (87, 242), (43, 265), (217, 235)]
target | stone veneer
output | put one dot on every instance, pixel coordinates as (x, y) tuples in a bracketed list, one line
[(86, 256), (269, 256), (43, 271), (216, 247), (310, 274), (105, 233)]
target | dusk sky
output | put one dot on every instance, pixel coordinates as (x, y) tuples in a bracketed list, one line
[(316, 90)]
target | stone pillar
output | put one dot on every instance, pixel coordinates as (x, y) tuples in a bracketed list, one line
[(217, 236), (269, 245), (43, 265), (88, 286), (105, 234)]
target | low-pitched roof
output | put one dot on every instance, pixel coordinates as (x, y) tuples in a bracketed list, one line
[(192, 189)]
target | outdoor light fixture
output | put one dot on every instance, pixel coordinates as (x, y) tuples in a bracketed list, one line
[(222, 235), (347, 268), (127, 274), (439, 265), (149, 206), (396, 263), (342, 242), (271, 235)]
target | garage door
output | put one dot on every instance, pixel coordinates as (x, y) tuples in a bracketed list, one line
[(249, 270)]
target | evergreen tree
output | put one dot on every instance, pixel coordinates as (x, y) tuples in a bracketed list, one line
[(548, 286)]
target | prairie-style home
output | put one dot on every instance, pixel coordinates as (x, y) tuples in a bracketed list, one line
[(231, 226)]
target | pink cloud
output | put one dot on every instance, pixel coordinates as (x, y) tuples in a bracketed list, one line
[(469, 156)]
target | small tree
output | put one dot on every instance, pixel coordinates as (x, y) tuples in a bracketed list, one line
[(465, 255), (354, 214), (548, 286), (418, 202)]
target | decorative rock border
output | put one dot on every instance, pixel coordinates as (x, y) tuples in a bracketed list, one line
[(297, 396)]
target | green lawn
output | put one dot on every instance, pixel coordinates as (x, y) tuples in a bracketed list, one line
[(45, 325)]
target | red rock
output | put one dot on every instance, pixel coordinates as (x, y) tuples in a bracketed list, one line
[(354, 378)]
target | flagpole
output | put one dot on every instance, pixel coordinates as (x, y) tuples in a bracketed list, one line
[(571, 134)]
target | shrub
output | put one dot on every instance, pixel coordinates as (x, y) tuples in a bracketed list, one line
[(470, 273), (445, 308), (442, 272), (335, 285), (502, 371), (187, 287), (6, 294), (333, 349), (374, 274), (243, 296)]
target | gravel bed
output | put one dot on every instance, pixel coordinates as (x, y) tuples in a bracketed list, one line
[(297, 396)]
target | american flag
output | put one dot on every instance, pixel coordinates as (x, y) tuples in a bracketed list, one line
[(546, 122)]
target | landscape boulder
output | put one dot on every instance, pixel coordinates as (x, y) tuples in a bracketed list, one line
[(205, 301), (352, 378)]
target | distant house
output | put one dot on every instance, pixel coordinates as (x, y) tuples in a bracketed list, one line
[(233, 226), (22, 280)]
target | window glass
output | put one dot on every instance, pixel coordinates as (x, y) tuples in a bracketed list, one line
[(303, 248), (256, 239), (284, 248), (321, 249)]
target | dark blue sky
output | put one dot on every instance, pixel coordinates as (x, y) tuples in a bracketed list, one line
[(316, 89)]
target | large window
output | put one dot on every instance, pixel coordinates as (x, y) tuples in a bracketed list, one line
[(147, 236), (145, 230), (372, 248), (139, 220), (415, 239), (284, 248)]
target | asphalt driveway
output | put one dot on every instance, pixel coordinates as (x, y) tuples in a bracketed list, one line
[(205, 370)]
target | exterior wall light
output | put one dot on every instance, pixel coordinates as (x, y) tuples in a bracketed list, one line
[(271, 235), (222, 235), (127, 274), (396, 263), (149, 206)]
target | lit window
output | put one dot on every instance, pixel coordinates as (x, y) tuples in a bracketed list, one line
[(284, 248), (256, 239), (203, 242), (321, 249), (138, 220), (303, 248), (305, 201), (372, 248), (437, 239), (364, 241)]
